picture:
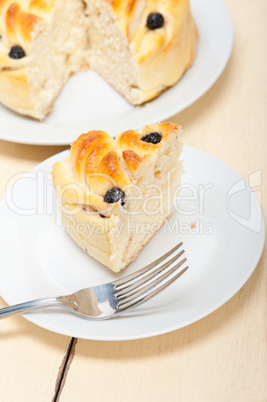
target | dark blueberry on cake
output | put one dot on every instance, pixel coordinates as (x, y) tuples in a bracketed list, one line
[(153, 138), (114, 195), (16, 52), (155, 21)]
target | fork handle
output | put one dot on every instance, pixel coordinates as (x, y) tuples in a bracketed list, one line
[(30, 305)]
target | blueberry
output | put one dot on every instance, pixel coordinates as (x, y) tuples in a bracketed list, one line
[(155, 21), (16, 52), (153, 138), (114, 195)]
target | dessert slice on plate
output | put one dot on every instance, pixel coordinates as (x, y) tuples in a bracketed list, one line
[(114, 194)]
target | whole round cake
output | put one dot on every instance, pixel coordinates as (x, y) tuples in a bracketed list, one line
[(140, 47)]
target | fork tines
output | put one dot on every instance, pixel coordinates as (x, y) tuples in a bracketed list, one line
[(152, 279)]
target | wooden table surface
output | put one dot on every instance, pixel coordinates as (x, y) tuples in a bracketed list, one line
[(222, 357)]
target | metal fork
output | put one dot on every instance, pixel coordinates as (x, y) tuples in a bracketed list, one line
[(109, 300)]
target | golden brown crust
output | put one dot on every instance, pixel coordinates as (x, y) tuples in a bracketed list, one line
[(18, 23), (21, 21), (132, 139), (88, 150), (132, 159), (95, 163), (111, 166), (98, 152), (41, 7)]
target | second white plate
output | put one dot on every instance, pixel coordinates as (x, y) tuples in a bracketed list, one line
[(87, 102), (218, 218)]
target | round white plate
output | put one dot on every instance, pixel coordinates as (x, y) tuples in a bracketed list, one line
[(38, 258), (87, 102)]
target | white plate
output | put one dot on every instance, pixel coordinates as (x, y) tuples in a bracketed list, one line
[(39, 259), (87, 102)]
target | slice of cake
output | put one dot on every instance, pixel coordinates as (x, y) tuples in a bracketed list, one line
[(115, 194)]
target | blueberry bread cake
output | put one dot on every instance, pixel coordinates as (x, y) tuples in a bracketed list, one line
[(114, 194), (140, 47)]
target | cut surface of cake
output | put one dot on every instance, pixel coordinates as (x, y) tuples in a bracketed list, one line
[(114, 194), (140, 47), (42, 43)]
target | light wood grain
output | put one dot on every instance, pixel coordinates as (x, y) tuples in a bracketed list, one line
[(221, 358), (30, 356)]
